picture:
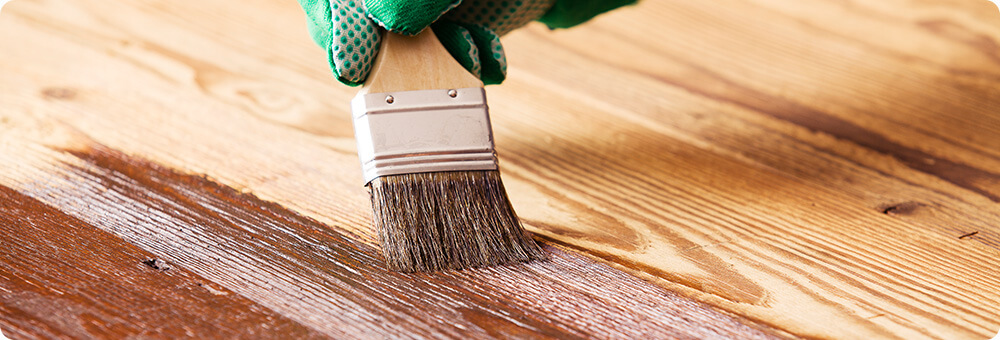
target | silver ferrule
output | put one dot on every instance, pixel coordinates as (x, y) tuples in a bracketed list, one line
[(423, 131)]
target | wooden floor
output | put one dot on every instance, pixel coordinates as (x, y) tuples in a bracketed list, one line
[(697, 169)]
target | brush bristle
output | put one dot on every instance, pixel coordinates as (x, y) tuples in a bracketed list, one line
[(448, 220)]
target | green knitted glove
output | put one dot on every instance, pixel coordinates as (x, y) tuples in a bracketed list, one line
[(470, 30)]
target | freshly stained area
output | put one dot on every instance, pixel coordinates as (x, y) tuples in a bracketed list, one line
[(694, 169)]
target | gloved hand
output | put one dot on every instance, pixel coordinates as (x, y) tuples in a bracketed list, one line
[(470, 30)]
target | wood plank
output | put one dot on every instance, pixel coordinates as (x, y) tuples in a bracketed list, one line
[(815, 167), (305, 271), (60, 276), (818, 189)]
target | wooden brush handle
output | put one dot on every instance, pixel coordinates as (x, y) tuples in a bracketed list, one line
[(416, 63)]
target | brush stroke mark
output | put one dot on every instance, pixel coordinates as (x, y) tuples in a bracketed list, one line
[(323, 278), (64, 277)]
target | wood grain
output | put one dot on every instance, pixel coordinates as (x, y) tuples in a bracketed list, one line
[(416, 63), (821, 168), (289, 265), (63, 277)]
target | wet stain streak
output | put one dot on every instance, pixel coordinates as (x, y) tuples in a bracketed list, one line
[(320, 277), (60, 276)]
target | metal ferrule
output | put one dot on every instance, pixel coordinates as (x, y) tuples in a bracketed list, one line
[(423, 131)]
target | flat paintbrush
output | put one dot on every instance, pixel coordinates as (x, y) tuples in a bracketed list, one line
[(426, 149)]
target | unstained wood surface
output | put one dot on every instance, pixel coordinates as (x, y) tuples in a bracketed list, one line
[(697, 169)]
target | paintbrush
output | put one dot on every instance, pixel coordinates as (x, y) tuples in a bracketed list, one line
[(426, 149)]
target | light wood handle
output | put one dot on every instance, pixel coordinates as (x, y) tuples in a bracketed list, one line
[(419, 62)]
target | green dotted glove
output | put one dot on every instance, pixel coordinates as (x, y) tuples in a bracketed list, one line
[(470, 30)]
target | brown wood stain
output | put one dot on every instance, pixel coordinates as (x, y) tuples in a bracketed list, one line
[(284, 266), (826, 168), (63, 277)]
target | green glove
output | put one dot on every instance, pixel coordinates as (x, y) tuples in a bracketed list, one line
[(470, 30)]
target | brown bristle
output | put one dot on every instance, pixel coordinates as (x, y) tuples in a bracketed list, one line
[(448, 220)]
